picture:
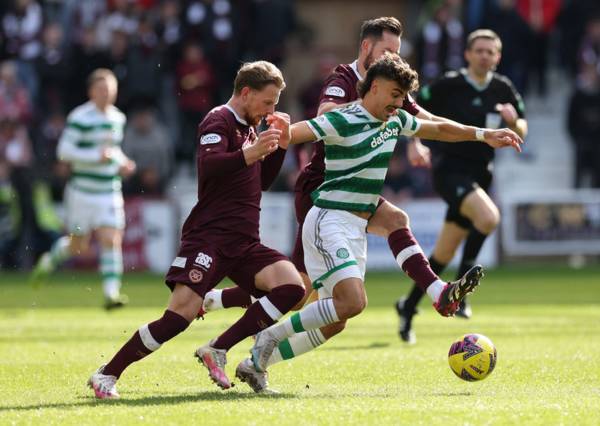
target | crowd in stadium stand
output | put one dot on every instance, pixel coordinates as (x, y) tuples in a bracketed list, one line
[(175, 59)]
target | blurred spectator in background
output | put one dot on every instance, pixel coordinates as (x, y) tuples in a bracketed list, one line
[(118, 56), (85, 57), (143, 64), (584, 126), (14, 97), (146, 143), (21, 30), (53, 70), (53, 172), (439, 46), (572, 24), (169, 31), (78, 15), (589, 51), (272, 22), (15, 162), (515, 34), (541, 15), (196, 90), (123, 16)]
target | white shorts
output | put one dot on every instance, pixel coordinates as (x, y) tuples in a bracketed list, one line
[(86, 212), (335, 247)]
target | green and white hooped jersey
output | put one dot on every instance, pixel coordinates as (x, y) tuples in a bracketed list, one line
[(87, 132), (358, 148)]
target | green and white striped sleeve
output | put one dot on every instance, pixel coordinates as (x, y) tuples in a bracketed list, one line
[(322, 127), (72, 147), (408, 123)]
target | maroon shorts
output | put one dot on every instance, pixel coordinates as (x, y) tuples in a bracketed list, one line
[(201, 266)]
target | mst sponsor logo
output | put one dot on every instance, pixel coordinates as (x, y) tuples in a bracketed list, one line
[(210, 138), (385, 135)]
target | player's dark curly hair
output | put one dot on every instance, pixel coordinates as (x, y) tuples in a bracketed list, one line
[(391, 67), (374, 28)]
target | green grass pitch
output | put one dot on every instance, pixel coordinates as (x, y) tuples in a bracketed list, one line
[(544, 321)]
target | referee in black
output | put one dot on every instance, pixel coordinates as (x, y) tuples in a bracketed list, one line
[(462, 172)]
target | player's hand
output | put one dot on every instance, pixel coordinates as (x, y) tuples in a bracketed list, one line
[(508, 114), (501, 138), (266, 143), (128, 168), (106, 154), (418, 154), (281, 121)]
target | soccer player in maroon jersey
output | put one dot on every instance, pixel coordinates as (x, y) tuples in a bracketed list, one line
[(220, 236)]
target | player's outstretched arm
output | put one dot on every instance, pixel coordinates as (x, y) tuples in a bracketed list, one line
[(455, 132), (301, 133)]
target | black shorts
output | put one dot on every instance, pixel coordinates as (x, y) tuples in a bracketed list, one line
[(454, 181), (201, 265)]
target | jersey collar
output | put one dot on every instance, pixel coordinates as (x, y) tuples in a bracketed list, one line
[(354, 66), (477, 86), (235, 114), (367, 113)]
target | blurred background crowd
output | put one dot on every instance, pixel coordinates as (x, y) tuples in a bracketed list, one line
[(175, 60)]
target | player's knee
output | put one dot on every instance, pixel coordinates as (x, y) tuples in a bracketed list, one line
[(332, 329), (397, 219), (351, 308), (488, 222), (78, 247)]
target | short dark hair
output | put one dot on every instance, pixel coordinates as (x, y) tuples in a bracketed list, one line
[(485, 34), (257, 75), (391, 67), (374, 28)]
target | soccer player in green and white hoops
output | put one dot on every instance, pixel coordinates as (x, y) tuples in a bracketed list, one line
[(91, 144), (359, 141)]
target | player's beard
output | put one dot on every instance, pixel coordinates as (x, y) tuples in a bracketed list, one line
[(369, 59)]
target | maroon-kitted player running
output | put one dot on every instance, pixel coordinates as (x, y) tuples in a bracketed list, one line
[(220, 236)]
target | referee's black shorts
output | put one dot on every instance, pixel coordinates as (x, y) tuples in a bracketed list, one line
[(453, 180)]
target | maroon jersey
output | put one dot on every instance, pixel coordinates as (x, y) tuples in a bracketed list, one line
[(339, 88), (229, 191)]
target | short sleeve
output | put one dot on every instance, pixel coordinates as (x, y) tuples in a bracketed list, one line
[(322, 127)]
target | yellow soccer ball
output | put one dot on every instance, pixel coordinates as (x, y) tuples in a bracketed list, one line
[(472, 357)]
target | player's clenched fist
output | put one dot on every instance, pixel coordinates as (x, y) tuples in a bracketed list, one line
[(266, 143), (281, 121)]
